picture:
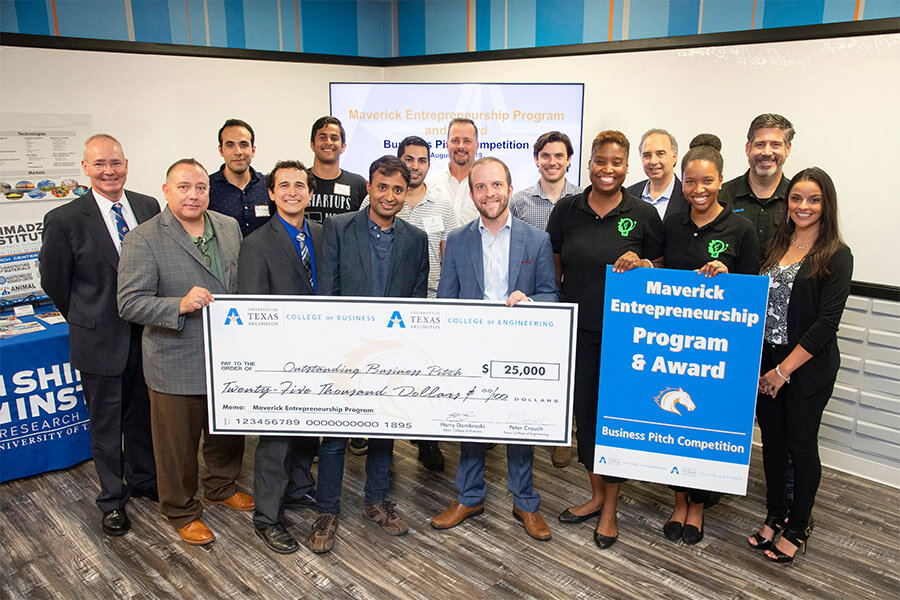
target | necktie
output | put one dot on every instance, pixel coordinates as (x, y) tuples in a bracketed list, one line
[(121, 225), (304, 258)]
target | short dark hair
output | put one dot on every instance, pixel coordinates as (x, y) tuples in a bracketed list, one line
[(185, 161), (704, 146), (413, 140), (553, 136), (774, 121), (485, 160), (238, 123), (610, 136), (387, 165), (462, 122), (291, 164), (325, 121)]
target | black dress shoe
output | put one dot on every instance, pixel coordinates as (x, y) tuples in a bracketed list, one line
[(149, 494), (307, 500), (673, 530), (431, 457), (690, 535), (116, 522), (569, 518), (604, 541), (277, 538)]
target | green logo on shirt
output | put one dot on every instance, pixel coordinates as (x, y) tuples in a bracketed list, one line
[(625, 226), (717, 247)]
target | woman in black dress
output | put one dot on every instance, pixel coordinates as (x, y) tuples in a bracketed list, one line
[(810, 268)]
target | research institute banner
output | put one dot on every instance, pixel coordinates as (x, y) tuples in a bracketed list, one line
[(678, 376), (392, 368)]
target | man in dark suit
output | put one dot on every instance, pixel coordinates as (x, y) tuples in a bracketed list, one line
[(78, 262), (281, 258), (170, 268), (368, 253), (659, 154), (501, 258)]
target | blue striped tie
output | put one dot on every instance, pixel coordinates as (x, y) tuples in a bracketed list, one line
[(121, 225), (304, 258)]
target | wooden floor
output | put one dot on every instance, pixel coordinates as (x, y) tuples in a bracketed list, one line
[(53, 547)]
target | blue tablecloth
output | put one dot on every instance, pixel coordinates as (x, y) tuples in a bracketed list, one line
[(43, 418)]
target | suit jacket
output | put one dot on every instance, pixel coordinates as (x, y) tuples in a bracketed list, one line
[(676, 202), (269, 262), (78, 264), (347, 258), (531, 269), (159, 265)]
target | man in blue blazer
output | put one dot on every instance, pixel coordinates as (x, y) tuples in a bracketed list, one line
[(368, 253), (281, 258), (501, 258), (78, 262)]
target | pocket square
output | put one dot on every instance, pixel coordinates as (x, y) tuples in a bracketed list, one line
[(525, 262)]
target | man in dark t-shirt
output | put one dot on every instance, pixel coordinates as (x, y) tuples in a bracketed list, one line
[(337, 191)]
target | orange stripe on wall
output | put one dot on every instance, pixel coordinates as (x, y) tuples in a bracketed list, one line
[(611, 9), (297, 23), (187, 15), (753, 17), (55, 22), (856, 12), (467, 26)]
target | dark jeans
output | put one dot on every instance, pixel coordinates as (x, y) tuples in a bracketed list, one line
[(789, 424), (331, 472)]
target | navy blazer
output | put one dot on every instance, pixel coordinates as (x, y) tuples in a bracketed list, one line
[(78, 264), (531, 269), (269, 262), (346, 262), (676, 202)]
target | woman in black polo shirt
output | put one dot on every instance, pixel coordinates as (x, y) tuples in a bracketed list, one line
[(810, 268), (601, 226), (708, 238)]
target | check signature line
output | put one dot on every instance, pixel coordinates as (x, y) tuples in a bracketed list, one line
[(676, 426), (368, 374)]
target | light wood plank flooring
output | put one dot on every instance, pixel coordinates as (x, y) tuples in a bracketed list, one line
[(53, 547)]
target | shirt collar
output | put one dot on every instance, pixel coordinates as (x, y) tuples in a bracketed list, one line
[(373, 225), (507, 225), (666, 195), (293, 231)]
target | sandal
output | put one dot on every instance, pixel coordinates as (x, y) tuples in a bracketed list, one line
[(763, 543)]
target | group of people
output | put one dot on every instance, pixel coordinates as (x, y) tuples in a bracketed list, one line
[(133, 303)]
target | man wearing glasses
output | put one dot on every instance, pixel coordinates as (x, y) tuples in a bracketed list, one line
[(169, 270)]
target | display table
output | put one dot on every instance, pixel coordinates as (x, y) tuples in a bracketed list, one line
[(43, 418)]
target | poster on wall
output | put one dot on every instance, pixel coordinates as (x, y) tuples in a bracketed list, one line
[(509, 117), (40, 168)]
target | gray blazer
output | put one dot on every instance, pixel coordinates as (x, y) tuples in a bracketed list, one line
[(158, 266), (346, 263)]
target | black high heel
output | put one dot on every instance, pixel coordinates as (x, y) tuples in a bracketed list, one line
[(797, 538), (773, 523)]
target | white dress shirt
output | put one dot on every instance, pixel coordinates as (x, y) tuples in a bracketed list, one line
[(109, 216), (495, 260), (444, 185)]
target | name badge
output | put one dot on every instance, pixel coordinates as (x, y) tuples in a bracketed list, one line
[(432, 224), (342, 189), (262, 210)]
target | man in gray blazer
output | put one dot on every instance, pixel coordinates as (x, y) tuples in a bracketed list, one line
[(169, 270), (368, 253), (501, 258), (78, 262), (281, 257)]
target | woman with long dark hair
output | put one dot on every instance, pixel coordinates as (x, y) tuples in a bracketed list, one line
[(809, 267)]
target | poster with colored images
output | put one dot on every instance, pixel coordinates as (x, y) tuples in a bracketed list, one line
[(40, 168), (678, 374)]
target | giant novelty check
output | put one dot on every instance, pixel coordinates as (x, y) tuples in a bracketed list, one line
[(393, 368)]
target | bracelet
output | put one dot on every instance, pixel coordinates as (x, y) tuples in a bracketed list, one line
[(649, 261), (778, 372)]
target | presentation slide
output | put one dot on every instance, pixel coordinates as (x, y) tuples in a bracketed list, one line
[(509, 116)]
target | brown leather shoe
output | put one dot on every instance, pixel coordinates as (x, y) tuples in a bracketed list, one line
[(239, 501), (562, 456), (456, 514), (321, 539), (385, 514), (534, 523), (196, 533)]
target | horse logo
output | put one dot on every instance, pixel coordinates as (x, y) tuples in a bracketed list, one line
[(670, 398)]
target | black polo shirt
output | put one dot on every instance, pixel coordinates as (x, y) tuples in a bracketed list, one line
[(728, 238), (586, 243), (763, 213)]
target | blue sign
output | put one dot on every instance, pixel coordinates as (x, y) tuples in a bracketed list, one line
[(678, 375)]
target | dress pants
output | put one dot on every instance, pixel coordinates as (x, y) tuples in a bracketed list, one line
[(121, 444), (470, 475), (331, 472), (789, 427), (177, 422), (281, 472)]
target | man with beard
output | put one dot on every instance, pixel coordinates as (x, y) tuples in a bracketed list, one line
[(758, 195), (452, 184), (237, 189)]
